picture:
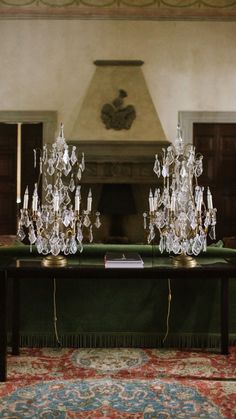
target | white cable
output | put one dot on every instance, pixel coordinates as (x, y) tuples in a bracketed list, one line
[(55, 312), (168, 311)]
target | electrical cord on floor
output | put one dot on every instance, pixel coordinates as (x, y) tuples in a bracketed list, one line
[(168, 311), (55, 312)]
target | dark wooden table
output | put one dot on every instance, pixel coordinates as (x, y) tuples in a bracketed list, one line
[(219, 269)]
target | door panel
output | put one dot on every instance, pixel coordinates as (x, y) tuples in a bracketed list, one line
[(217, 143), (8, 178), (31, 135), (31, 139)]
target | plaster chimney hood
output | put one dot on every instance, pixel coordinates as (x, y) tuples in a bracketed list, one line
[(109, 78), (118, 151)]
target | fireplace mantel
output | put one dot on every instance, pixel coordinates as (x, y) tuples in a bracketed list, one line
[(120, 161)]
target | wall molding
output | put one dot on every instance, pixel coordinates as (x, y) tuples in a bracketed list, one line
[(188, 118), (48, 118), (218, 10)]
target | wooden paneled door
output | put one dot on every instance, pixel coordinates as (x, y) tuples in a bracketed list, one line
[(217, 143), (31, 135), (8, 138)]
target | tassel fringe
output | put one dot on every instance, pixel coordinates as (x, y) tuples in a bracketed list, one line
[(114, 340)]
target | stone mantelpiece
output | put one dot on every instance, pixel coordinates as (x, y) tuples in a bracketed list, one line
[(120, 162)]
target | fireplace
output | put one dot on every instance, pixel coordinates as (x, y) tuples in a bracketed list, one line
[(120, 150), (120, 176)]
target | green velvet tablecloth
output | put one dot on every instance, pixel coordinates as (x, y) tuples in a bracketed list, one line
[(122, 313)]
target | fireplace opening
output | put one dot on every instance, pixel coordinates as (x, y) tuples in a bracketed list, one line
[(121, 207), (117, 202)]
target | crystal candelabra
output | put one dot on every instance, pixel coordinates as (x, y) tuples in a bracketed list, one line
[(177, 210), (57, 226)]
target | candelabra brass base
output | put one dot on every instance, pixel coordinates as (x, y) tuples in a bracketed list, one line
[(184, 261), (54, 261)]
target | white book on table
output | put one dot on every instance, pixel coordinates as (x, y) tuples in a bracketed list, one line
[(123, 260)]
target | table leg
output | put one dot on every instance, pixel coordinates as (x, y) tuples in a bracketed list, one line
[(3, 326), (225, 316), (15, 317)]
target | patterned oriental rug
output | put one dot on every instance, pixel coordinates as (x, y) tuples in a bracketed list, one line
[(119, 383)]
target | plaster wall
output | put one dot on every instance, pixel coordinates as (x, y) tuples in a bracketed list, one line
[(48, 65)]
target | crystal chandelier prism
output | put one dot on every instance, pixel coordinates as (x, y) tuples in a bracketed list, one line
[(177, 210), (57, 225)]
